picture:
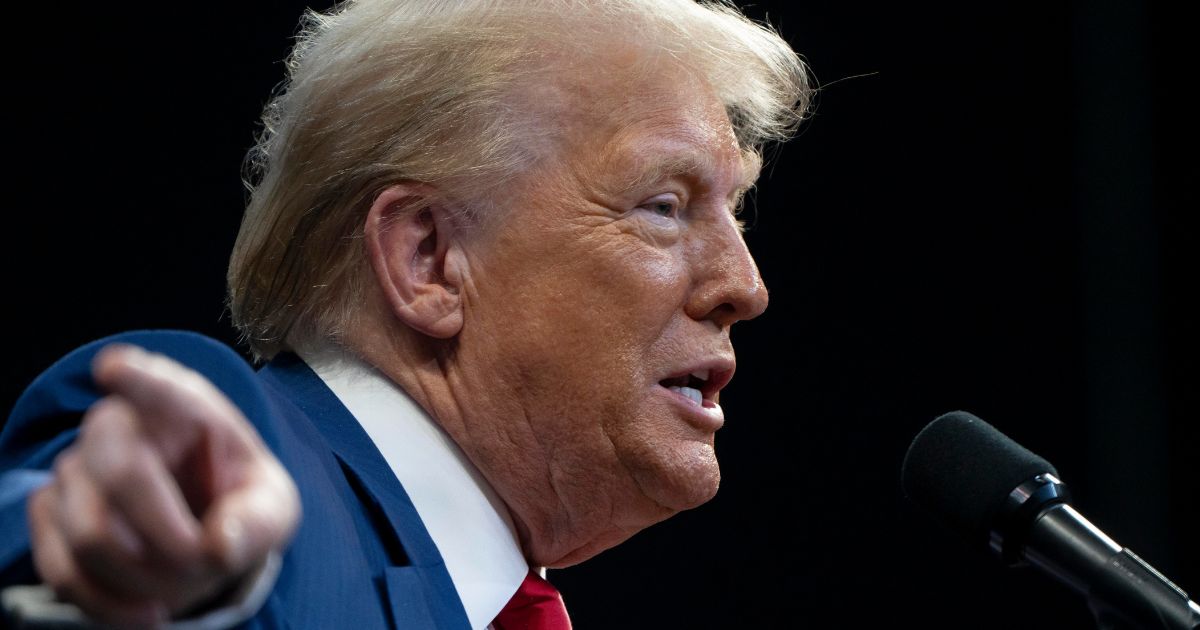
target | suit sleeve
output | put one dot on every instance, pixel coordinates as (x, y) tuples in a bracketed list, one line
[(45, 420)]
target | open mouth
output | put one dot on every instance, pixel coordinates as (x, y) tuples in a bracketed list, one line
[(697, 386)]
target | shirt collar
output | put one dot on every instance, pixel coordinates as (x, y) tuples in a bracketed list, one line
[(469, 524)]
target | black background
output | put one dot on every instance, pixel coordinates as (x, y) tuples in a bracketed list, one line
[(992, 209)]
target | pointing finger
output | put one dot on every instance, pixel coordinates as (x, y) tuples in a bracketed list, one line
[(177, 404)]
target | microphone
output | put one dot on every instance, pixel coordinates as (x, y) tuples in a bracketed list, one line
[(983, 484)]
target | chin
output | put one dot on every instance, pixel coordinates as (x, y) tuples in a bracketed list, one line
[(666, 480), (687, 479)]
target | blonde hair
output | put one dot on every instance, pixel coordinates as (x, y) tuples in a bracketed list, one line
[(384, 91)]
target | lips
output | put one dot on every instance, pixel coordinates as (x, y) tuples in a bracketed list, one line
[(701, 384)]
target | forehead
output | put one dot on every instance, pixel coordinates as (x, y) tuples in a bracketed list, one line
[(648, 117)]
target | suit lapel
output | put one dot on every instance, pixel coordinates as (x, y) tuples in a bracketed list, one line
[(421, 593)]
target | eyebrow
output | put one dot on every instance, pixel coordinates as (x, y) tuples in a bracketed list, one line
[(692, 163)]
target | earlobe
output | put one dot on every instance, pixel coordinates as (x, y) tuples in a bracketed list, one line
[(410, 235)]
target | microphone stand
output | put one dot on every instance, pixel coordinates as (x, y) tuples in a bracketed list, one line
[(1038, 527), (1137, 597)]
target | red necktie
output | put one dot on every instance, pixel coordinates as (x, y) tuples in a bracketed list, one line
[(535, 606)]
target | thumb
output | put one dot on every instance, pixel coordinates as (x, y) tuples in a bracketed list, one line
[(247, 522)]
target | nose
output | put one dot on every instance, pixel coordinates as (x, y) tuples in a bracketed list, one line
[(727, 287)]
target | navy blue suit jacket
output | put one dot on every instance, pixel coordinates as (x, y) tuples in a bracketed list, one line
[(361, 557)]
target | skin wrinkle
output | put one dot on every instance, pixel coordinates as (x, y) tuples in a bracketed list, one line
[(581, 551), (556, 474), (653, 174), (626, 465), (427, 387), (576, 301), (687, 163), (757, 78), (558, 491)]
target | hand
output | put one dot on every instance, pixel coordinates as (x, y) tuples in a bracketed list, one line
[(167, 498)]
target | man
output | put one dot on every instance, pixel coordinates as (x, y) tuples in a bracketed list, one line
[(492, 260)]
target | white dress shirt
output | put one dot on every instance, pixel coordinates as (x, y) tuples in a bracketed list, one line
[(467, 521)]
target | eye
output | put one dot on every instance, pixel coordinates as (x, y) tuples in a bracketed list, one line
[(665, 205)]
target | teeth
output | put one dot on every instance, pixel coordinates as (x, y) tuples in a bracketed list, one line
[(701, 374), (691, 393)]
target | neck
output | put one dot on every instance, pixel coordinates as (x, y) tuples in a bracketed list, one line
[(492, 438)]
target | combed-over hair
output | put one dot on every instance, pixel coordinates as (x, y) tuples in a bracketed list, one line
[(384, 91)]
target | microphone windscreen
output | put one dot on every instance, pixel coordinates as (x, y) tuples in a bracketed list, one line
[(962, 469)]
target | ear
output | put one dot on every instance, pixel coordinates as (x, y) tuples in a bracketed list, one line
[(414, 247)]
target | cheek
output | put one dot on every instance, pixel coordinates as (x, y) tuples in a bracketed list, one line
[(639, 288), (579, 339), (609, 294), (578, 328)]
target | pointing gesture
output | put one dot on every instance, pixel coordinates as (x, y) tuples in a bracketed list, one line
[(167, 498)]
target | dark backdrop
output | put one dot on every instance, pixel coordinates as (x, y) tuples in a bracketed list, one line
[(991, 209)]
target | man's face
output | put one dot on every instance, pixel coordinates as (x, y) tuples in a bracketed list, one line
[(598, 312)]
